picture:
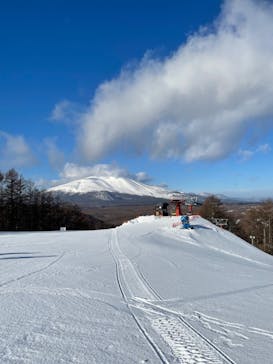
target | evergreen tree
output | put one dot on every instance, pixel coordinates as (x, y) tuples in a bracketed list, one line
[(24, 207), (2, 209), (10, 197)]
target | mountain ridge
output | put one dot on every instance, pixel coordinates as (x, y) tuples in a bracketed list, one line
[(110, 190), (111, 184)]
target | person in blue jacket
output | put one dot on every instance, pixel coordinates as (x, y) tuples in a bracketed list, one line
[(185, 222)]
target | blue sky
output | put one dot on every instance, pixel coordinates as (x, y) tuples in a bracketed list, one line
[(167, 92)]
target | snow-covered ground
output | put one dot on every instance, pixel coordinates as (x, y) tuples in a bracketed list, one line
[(146, 292)]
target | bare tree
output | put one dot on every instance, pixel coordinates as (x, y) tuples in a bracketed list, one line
[(211, 208), (258, 223)]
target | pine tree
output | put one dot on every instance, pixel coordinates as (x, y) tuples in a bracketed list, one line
[(2, 206), (24, 207), (10, 196)]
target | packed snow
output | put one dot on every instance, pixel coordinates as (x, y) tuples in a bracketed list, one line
[(145, 292), (111, 184)]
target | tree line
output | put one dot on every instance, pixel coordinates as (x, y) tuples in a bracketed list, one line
[(25, 207), (254, 225)]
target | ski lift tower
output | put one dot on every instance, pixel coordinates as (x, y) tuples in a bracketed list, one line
[(183, 200), (177, 200), (190, 202), (177, 204)]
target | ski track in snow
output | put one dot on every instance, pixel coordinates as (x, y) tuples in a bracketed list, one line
[(188, 346), (122, 262), (222, 327), (3, 284), (102, 303)]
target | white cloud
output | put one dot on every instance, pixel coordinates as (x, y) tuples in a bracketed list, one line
[(43, 183), (264, 148), (55, 155), (246, 154), (142, 177), (197, 103), (72, 171), (14, 151), (66, 112)]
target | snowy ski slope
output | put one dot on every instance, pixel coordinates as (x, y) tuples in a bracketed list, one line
[(145, 292)]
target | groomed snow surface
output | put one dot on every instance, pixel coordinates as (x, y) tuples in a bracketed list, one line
[(146, 292)]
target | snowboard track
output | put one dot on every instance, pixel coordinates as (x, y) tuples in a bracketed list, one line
[(187, 343), (32, 272)]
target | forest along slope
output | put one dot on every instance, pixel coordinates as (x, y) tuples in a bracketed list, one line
[(147, 291)]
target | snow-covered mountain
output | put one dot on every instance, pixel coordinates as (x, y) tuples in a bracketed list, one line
[(118, 190), (106, 188)]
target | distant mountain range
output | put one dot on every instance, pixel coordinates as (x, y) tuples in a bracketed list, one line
[(110, 191), (111, 184)]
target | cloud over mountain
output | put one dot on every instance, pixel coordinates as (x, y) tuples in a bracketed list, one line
[(14, 151), (196, 104), (73, 171)]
